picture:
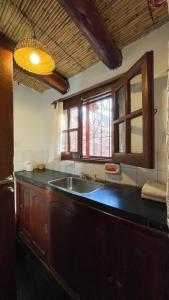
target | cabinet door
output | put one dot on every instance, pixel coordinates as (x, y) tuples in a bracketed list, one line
[(24, 212), (39, 222), (64, 241), (143, 263), (79, 248)]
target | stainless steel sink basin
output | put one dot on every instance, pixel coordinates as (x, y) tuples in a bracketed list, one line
[(75, 185)]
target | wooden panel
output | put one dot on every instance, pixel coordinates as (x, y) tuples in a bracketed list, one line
[(6, 113), (24, 211), (39, 222)]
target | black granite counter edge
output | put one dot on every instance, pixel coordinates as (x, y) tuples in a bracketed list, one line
[(33, 181), (142, 220)]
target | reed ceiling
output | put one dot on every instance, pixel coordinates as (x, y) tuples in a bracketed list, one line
[(126, 20)]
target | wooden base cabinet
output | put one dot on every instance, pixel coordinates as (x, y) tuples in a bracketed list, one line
[(94, 255), (33, 218), (104, 257)]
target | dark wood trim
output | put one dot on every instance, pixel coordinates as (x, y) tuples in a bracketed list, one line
[(120, 120), (55, 80), (74, 99), (148, 110), (130, 116), (68, 120), (89, 21), (87, 132), (80, 130), (134, 159), (6, 113)]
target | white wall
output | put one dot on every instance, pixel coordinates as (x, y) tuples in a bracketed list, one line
[(29, 126), (33, 107)]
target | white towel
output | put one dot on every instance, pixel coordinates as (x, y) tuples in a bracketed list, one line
[(154, 191)]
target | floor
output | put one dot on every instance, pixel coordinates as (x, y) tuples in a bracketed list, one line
[(33, 281)]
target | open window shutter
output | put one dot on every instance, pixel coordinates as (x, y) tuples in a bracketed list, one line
[(68, 105), (133, 115)]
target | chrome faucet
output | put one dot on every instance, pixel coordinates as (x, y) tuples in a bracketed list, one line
[(85, 176)]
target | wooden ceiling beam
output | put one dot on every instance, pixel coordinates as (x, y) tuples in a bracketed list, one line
[(55, 80), (86, 16)]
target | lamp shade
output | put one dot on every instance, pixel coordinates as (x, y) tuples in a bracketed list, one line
[(34, 57)]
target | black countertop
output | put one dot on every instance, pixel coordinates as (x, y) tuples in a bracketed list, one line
[(120, 200)]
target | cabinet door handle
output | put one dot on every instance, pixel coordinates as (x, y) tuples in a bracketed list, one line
[(11, 189)]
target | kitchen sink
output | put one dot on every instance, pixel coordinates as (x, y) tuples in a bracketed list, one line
[(75, 185)]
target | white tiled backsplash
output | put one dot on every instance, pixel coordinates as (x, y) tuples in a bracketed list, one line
[(129, 174), (22, 156)]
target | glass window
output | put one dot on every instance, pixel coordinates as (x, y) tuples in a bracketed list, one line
[(97, 128), (120, 98), (73, 117), (70, 130), (137, 135), (136, 93), (73, 141), (122, 137)]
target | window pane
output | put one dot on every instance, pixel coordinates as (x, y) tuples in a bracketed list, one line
[(122, 137), (84, 148), (84, 130), (136, 93), (95, 147), (97, 118), (106, 147), (137, 135), (73, 117), (65, 120), (120, 102), (73, 141), (64, 142)]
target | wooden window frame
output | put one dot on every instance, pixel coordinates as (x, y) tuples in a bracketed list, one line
[(68, 155), (145, 159)]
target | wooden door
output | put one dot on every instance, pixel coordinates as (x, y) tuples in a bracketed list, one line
[(7, 216), (39, 222)]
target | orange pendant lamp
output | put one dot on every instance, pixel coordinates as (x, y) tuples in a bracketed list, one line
[(34, 57)]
